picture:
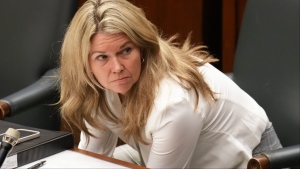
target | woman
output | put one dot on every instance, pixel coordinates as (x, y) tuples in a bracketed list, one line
[(121, 79)]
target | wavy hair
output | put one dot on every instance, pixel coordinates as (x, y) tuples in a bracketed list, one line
[(83, 98)]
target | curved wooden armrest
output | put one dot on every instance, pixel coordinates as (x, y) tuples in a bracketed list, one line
[(259, 162), (280, 158), (4, 109)]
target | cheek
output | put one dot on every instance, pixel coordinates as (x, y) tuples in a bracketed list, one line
[(101, 78), (99, 74), (136, 69)]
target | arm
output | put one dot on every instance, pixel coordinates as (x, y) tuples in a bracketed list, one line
[(29, 96), (103, 143), (175, 140)]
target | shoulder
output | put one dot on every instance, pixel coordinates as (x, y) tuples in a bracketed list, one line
[(170, 92), (172, 101)]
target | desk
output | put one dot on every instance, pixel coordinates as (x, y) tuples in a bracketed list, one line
[(109, 159), (77, 158)]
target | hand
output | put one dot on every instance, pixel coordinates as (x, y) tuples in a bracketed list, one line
[(4, 109)]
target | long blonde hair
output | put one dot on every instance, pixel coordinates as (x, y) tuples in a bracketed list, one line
[(82, 96)]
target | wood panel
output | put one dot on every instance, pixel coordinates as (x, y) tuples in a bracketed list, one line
[(232, 13), (172, 17), (81, 2)]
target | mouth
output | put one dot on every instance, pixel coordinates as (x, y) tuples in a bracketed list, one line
[(120, 80)]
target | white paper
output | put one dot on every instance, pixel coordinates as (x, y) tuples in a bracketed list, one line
[(73, 159), (10, 162)]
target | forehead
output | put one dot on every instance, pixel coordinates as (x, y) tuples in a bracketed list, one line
[(104, 42), (101, 38)]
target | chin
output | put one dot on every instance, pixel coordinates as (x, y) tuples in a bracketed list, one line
[(122, 92), (121, 89)]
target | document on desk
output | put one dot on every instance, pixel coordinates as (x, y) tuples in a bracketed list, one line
[(72, 159)]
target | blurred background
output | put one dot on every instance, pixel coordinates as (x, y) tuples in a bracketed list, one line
[(214, 23)]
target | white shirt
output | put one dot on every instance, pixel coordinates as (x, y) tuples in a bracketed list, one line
[(221, 135)]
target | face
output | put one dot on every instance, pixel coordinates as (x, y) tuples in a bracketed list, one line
[(115, 61)]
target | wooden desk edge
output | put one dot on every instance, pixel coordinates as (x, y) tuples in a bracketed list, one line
[(109, 159)]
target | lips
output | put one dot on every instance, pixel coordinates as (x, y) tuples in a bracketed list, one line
[(121, 80)]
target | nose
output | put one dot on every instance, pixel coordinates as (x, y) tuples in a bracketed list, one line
[(117, 66)]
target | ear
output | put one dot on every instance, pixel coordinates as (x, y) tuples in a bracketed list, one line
[(142, 54)]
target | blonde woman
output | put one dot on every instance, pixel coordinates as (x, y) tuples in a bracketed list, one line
[(120, 79)]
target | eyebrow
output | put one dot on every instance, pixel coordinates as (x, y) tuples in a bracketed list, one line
[(122, 46), (127, 42)]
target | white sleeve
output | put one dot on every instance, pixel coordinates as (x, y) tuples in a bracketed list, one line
[(104, 142), (176, 137)]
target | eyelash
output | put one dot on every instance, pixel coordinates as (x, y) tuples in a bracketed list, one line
[(126, 51), (100, 57)]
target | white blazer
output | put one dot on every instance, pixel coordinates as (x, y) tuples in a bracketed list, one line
[(221, 135)]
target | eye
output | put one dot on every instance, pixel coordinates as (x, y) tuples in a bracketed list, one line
[(101, 57), (126, 51)]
